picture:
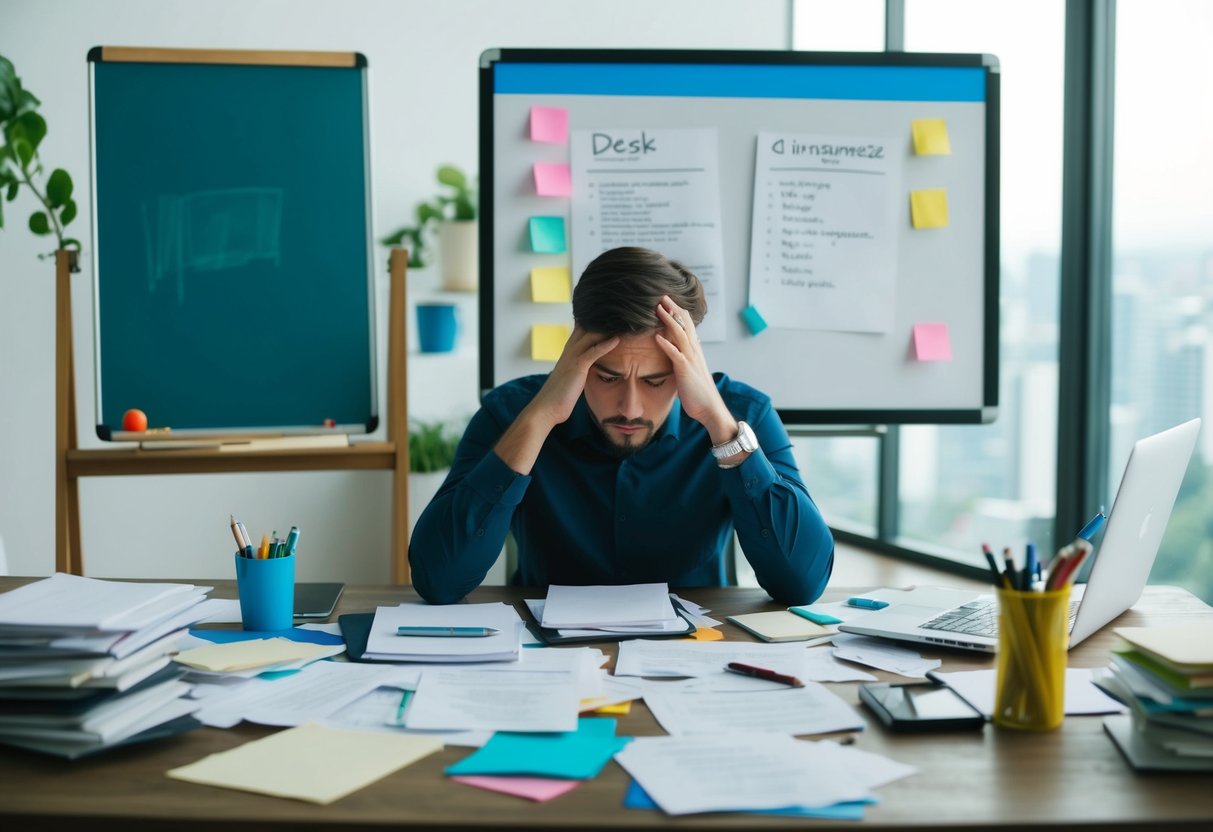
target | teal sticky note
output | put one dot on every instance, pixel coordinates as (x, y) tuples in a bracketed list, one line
[(574, 755), (547, 235), (753, 320)]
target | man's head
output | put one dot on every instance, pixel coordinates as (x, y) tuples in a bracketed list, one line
[(631, 389)]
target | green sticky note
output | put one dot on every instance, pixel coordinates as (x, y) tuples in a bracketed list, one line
[(547, 235), (573, 755)]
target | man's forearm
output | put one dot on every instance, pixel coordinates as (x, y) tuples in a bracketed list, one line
[(522, 441)]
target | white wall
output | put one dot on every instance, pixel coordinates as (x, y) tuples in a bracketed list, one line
[(423, 59)]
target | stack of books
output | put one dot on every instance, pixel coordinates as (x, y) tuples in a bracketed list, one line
[(1165, 675), (85, 664)]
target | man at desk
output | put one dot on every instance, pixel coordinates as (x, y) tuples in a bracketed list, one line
[(629, 463)]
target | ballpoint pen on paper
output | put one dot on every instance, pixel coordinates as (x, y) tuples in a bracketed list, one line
[(867, 603), (447, 632), (763, 673)]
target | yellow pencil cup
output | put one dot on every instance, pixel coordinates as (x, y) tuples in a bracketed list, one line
[(1033, 636)]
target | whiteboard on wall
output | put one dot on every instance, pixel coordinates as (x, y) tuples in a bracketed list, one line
[(882, 315)]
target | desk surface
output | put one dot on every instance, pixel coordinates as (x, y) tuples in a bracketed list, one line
[(1073, 777)]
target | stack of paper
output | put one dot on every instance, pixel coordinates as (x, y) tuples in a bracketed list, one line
[(636, 609), (1165, 675), (84, 663), (385, 643)]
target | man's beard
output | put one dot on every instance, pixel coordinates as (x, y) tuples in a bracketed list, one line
[(631, 444)]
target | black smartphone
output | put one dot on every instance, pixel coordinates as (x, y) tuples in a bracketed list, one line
[(316, 600), (926, 706)]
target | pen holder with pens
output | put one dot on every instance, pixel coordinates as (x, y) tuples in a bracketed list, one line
[(1033, 633), (267, 592)]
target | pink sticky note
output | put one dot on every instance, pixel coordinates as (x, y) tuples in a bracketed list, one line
[(553, 179), (550, 124), (539, 789), (931, 342)]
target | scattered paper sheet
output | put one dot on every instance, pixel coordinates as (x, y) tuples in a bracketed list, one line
[(822, 666), (794, 711), (384, 644), (930, 137), (223, 611), (637, 798), (550, 125), (883, 656), (310, 695), (1082, 697), (635, 605), (383, 710), (538, 789), (243, 655), (578, 754), (547, 341), (490, 701), (311, 763), (686, 775), (642, 657)]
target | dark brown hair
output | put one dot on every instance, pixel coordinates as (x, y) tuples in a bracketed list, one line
[(619, 291)]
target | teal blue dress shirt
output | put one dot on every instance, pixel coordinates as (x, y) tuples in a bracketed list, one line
[(587, 516)]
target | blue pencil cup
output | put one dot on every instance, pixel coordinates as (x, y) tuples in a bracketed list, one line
[(267, 592), (436, 326)]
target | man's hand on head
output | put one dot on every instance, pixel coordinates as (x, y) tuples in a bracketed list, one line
[(696, 387), (558, 396)]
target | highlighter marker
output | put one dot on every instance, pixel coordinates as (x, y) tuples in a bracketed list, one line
[(867, 603), (815, 617)]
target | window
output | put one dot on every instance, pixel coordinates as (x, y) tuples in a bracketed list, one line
[(1162, 261)]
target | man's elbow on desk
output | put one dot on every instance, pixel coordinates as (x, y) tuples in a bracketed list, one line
[(805, 587)]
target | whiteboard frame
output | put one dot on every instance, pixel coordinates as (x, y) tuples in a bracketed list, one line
[(791, 413)]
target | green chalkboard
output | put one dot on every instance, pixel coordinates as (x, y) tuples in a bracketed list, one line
[(232, 246)]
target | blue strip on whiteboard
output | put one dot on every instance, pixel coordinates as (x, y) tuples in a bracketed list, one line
[(854, 83)]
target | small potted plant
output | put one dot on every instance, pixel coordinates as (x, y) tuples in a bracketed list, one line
[(451, 218)]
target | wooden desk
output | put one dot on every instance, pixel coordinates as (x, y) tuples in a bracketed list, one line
[(1073, 778)]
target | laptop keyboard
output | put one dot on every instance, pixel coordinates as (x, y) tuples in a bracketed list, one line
[(979, 617)]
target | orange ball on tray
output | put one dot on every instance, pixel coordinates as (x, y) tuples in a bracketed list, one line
[(134, 420)]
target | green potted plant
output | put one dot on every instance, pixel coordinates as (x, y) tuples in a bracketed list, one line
[(431, 452), (450, 217), (22, 130)]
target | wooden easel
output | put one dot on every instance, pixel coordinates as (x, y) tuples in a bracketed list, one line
[(72, 462)]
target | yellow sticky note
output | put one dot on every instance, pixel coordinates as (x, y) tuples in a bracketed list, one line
[(705, 634), (547, 341), (309, 763), (551, 285), (245, 655), (619, 709), (929, 208), (930, 137)]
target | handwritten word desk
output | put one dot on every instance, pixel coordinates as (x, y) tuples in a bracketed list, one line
[(1072, 778)]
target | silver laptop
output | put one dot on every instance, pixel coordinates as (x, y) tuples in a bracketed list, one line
[(968, 620)]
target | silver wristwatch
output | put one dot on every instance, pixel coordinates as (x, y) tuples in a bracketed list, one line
[(743, 441)]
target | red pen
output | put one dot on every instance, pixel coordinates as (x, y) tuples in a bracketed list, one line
[(763, 673)]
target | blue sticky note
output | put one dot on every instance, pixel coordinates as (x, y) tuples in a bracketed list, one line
[(293, 634), (547, 235), (638, 798), (573, 755), (753, 320)]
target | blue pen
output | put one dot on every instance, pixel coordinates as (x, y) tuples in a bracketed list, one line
[(447, 632), (1031, 567), (867, 603), (292, 540), (1093, 526)]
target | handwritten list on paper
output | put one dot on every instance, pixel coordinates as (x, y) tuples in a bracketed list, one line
[(823, 246), (656, 188)]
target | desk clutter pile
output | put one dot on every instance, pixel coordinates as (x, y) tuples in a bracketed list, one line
[(87, 665), (1166, 675)]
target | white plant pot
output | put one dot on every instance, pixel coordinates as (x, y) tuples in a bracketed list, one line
[(422, 488), (459, 253)]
